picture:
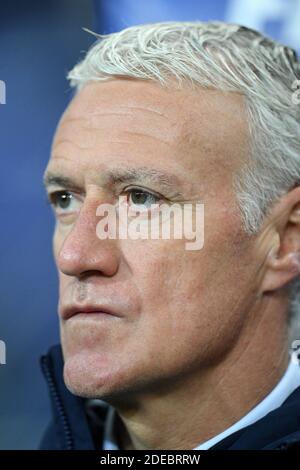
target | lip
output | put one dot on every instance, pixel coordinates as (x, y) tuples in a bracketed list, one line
[(72, 310)]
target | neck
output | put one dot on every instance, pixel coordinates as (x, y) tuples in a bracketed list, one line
[(208, 401)]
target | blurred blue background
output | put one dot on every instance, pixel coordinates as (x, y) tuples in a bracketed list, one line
[(39, 43)]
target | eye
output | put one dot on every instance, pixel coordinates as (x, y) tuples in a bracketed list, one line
[(64, 202), (141, 199)]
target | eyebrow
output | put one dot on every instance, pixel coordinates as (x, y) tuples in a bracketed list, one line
[(151, 175), (117, 176), (51, 179)]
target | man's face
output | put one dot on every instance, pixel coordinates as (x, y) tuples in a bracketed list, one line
[(175, 311)]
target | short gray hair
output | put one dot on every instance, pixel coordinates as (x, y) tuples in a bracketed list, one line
[(226, 57)]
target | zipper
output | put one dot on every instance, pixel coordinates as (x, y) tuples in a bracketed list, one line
[(47, 370)]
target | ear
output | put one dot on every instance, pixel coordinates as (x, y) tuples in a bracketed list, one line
[(283, 260)]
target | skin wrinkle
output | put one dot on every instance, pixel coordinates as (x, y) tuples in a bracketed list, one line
[(147, 109), (129, 132), (114, 141), (135, 108), (140, 134), (201, 330)]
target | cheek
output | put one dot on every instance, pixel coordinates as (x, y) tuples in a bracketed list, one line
[(190, 290), (60, 234), (57, 242), (168, 278)]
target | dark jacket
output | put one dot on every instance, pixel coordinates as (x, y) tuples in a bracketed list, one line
[(71, 428)]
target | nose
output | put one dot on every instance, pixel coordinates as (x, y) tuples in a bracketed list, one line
[(81, 252)]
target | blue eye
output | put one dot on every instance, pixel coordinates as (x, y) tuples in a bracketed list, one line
[(64, 202), (139, 197), (61, 199)]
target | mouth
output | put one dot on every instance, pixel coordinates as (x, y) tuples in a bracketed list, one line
[(87, 311)]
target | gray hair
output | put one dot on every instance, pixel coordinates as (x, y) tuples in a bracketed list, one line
[(226, 57)]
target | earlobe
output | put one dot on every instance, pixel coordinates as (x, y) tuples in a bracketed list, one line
[(281, 271)]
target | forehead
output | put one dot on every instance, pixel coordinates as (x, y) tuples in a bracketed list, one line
[(123, 105), (155, 101), (133, 119)]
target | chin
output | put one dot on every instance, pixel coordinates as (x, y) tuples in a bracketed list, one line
[(89, 374), (93, 375)]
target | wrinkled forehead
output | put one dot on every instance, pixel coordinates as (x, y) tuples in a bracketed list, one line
[(134, 118), (178, 112), (127, 99)]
